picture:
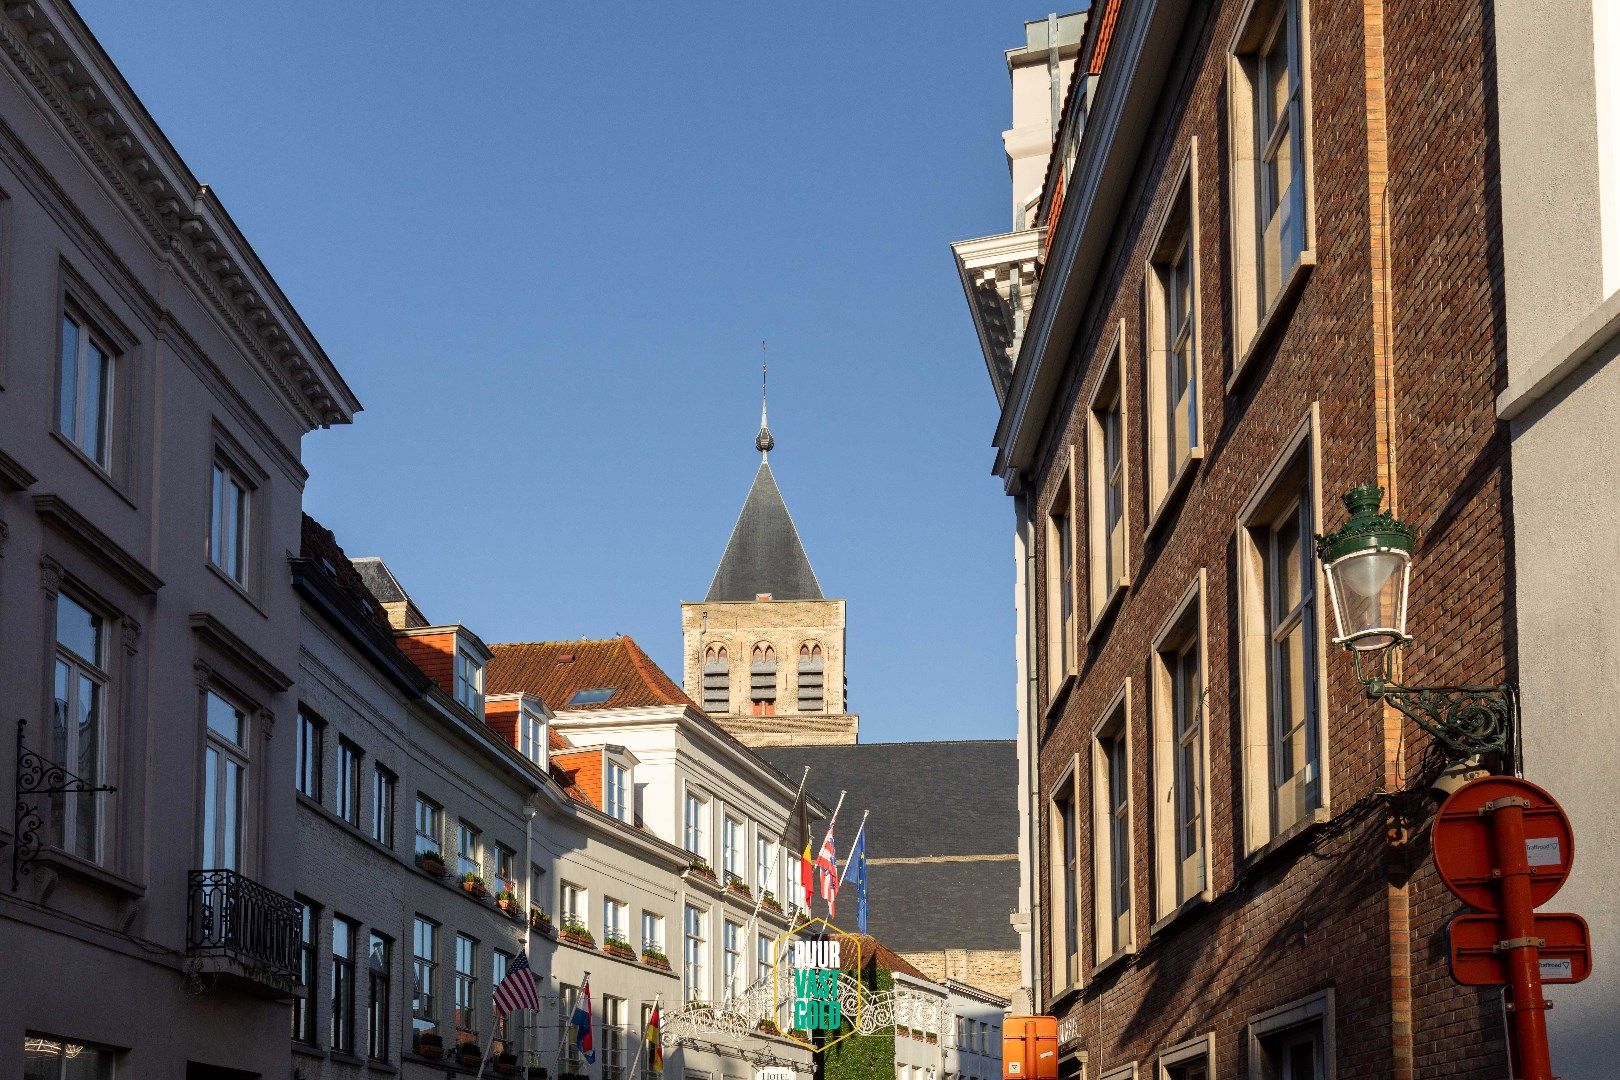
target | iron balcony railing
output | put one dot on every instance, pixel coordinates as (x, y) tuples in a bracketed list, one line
[(231, 915)]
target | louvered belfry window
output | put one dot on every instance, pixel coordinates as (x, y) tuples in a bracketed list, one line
[(716, 680), (812, 679), (762, 681)]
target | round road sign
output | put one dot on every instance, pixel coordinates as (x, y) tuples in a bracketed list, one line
[(1463, 850)]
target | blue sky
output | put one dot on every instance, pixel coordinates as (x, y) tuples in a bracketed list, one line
[(543, 242)]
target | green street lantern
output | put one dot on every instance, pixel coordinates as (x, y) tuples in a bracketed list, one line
[(1369, 567)]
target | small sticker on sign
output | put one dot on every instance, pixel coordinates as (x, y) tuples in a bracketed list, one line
[(1542, 851), (1557, 969), (1016, 1068)]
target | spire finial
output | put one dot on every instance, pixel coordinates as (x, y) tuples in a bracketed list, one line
[(764, 442)]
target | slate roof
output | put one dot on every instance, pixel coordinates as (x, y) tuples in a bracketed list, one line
[(927, 799), (380, 580), (554, 670), (764, 554)]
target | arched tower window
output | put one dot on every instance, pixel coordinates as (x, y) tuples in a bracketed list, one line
[(716, 680), (812, 678), (762, 681)]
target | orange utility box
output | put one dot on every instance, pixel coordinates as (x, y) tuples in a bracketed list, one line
[(1029, 1048)]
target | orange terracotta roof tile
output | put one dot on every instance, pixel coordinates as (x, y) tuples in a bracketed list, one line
[(557, 670)]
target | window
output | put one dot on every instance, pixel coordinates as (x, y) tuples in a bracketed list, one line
[(614, 916), (228, 522), (697, 809), (499, 964), (303, 1008), (716, 680), (532, 737), (1111, 828), (424, 963), (812, 680), (732, 949), (1060, 621), (572, 1060), (762, 957), (646, 1070), (732, 834), (692, 959), (535, 884), (348, 793), (794, 882), (1294, 1042), (379, 956), (344, 933), (78, 727), (652, 932), (1191, 1060), (308, 779), (1173, 344), (1271, 204), (383, 785), (1282, 641), (613, 1037), (469, 681), (571, 904), (469, 849), (764, 858), (505, 869), (1065, 883), (466, 983), (616, 791), (598, 696), (49, 1058), (428, 817), (225, 766), (85, 388), (1179, 758), (762, 681), (1106, 479)]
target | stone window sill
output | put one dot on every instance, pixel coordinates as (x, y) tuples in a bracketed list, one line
[(1271, 324)]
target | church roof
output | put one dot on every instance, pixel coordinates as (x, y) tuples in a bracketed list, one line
[(764, 554)]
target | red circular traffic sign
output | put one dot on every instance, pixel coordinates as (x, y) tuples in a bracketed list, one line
[(1462, 841)]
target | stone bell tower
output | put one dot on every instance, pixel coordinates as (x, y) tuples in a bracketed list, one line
[(764, 651)]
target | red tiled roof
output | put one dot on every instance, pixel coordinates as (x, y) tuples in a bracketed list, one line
[(318, 544), (886, 958), (556, 670), (1105, 34)]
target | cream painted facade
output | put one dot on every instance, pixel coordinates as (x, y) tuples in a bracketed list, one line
[(1558, 100), (787, 628)]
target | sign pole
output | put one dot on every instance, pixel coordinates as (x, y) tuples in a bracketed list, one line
[(1527, 1004)]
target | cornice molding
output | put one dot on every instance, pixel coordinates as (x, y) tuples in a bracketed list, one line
[(225, 641), (129, 570), (13, 477), (59, 57)]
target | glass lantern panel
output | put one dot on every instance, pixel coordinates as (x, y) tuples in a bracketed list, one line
[(1369, 597)]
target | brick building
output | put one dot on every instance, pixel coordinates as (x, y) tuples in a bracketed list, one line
[(1266, 274)]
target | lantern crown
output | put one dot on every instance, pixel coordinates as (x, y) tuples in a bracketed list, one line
[(1367, 529)]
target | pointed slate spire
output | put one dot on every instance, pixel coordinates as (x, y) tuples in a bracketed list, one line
[(764, 554)]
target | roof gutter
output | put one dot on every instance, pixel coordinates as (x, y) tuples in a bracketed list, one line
[(1139, 57)]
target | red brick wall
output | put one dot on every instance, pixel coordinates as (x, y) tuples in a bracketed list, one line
[(1331, 912)]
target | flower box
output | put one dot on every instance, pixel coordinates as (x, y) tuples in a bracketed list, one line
[(476, 886), (768, 1027), (431, 862), (578, 934), (739, 886), (430, 1045), (771, 903), (618, 947), (539, 920), (703, 869), (656, 958)]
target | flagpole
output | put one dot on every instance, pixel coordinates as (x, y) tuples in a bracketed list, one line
[(636, 1064), (832, 821), (759, 901), (858, 833)]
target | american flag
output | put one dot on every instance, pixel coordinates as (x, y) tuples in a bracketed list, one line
[(516, 990)]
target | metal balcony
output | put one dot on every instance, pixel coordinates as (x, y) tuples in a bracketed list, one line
[(243, 932)]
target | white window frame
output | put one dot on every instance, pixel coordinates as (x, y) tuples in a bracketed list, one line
[(616, 789), (614, 1037), (733, 958), (230, 537), (694, 834), (433, 841), (1114, 935), (694, 939), (1106, 582), (87, 333), (733, 841), (764, 861), (464, 830), (469, 679), (1316, 1012), (350, 785), (1062, 628), (78, 672), (532, 736), (762, 956), (1062, 888), (1295, 471), (1183, 637), (1254, 318), (1177, 235), (1195, 1051), (573, 904), (218, 748), (615, 919), (311, 734), (652, 931)]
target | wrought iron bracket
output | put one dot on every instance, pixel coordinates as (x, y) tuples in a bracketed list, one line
[(36, 776), (1469, 721)]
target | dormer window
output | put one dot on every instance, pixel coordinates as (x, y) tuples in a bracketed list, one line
[(597, 696), (469, 680), (532, 736), (616, 790)]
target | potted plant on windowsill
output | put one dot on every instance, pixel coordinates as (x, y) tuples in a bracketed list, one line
[(507, 901), (506, 1064), (655, 958), (614, 945), (430, 1044), (474, 885), (701, 868), (771, 903), (539, 920), (739, 886), (577, 933), (467, 1055), (768, 1027), (431, 862)]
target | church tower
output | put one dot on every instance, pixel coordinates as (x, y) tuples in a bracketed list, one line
[(764, 651)]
